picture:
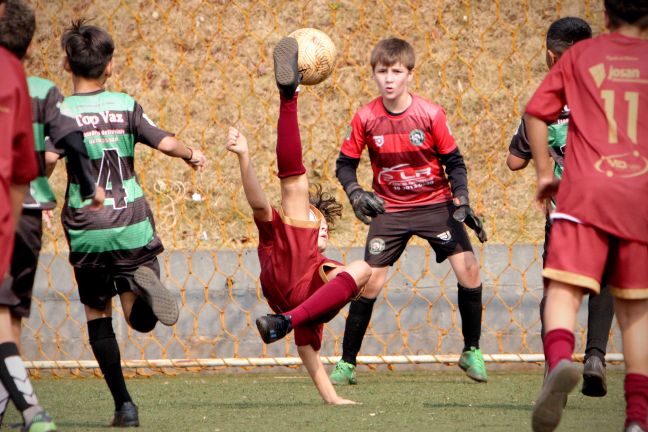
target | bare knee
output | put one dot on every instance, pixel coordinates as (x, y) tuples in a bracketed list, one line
[(466, 269), (359, 271)]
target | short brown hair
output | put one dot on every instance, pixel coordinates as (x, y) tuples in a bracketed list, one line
[(390, 51), (326, 203), (633, 12), (17, 27)]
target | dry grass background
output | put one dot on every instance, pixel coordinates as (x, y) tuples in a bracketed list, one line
[(199, 66)]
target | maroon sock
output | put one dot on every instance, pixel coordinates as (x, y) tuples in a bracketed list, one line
[(289, 149), (558, 345), (326, 301), (636, 395)]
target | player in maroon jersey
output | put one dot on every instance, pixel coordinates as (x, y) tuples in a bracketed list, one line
[(601, 220), (418, 172), (302, 286)]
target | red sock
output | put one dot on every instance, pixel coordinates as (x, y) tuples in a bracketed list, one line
[(636, 395), (558, 345), (326, 301), (289, 149)]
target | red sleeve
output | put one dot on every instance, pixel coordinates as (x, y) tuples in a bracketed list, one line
[(24, 163), (441, 135), (354, 142), (548, 101)]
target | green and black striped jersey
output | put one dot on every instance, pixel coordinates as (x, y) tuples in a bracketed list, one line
[(123, 232), (48, 122)]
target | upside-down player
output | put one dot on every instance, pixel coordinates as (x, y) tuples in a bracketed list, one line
[(114, 250), (562, 34), (600, 227), (302, 286)]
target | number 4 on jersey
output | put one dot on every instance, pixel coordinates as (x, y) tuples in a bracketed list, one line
[(112, 179)]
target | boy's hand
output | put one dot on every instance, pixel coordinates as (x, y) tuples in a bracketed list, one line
[(98, 199), (366, 205), (342, 401), (465, 214), (197, 161), (236, 142), (547, 189)]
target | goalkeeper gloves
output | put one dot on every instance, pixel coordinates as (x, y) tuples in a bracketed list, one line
[(366, 205), (463, 213)]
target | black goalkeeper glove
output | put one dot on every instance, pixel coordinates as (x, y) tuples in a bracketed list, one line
[(366, 205), (466, 215)]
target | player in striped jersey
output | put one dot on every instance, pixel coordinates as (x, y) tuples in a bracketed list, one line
[(561, 35), (420, 188), (114, 250)]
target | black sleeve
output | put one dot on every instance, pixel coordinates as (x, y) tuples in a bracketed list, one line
[(520, 144), (146, 131), (456, 171), (56, 124), (79, 161), (345, 171)]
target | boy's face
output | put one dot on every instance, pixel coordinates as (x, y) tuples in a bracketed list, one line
[(392, 80), (322, 238)]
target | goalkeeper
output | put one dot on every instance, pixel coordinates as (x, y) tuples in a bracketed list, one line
[(409, 144)]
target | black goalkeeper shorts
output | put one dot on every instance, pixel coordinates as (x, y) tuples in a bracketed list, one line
[(16, 290), (389, 233)]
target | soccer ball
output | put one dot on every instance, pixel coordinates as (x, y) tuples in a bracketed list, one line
[(317, 55)]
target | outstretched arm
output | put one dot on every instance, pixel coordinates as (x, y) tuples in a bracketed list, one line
[(315, 368), (170, 146), (237, 143)]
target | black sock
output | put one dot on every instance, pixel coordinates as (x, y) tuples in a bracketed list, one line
[(356, 327), (599, 320), (470, 309), (15, 379), (141, 317), (106, 351)]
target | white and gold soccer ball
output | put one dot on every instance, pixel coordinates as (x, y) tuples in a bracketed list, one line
[(317, 55)]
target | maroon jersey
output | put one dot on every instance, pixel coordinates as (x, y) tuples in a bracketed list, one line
[(18, 163), (605, 83), (292, 268), (404, 151)]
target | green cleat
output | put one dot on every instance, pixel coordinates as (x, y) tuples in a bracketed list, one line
[(472, 362), (41, 422), (344, 373)]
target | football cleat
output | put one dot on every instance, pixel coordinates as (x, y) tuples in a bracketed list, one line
[(472, 362), (126, 416), (549, 406), (343, 374), (273, 327), (594, 380), (286, 70), (162, 302), (634, 427), (40, 422)]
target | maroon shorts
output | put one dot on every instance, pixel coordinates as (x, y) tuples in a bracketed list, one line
[(292, 268), (583, 255)]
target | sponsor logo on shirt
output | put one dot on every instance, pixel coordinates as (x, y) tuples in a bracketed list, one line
[(615, 74), (379, 140), (93, 119), (624, 165), (404, 177), (376, 246), (417, 137)]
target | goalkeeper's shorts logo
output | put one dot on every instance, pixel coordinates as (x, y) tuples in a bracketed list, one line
[(376, 246), (445, 236)]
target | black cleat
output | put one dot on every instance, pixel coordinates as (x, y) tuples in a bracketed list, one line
[(287, 74), (162, 302), (126, 416), (549, 406), (594, 380), (273, 327)]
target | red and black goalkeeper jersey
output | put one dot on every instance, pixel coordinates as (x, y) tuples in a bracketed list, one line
[(404, 151), (605, 83)]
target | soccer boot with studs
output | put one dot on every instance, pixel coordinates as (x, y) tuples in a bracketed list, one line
[(594, 379), (40, 422), (286, 70), (344, 373), (126, 416), (549, 406), (160, 299), (472, 362), (273, 327)]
